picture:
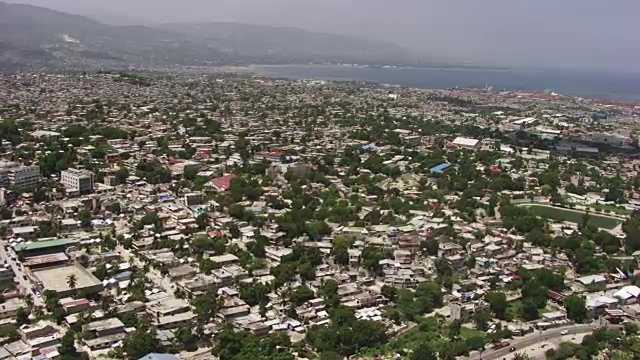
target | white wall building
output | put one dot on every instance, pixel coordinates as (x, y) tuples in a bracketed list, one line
[(23, 177), (77, 181), (467, 143)]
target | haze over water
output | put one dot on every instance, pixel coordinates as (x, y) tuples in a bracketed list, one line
[(619, 85)]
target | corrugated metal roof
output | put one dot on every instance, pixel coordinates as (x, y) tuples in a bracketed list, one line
[(43, 244)]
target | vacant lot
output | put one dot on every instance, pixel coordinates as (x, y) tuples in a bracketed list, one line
[(574, 216)]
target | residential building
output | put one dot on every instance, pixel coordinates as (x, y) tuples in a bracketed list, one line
[(6, 278), (22, 177), (77, 181), (465, 311)]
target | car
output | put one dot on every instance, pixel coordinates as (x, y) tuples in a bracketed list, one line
[(512, 349), (564, 332), (500, 345)]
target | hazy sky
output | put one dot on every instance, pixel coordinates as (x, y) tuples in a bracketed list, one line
[(517, 32)]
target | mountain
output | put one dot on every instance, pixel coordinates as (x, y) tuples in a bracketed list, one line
[(40, 36), (284, 44), (33, 36)]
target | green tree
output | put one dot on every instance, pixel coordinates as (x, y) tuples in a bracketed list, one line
[(22, 317), (454, 329), (67, 348), (142, 341), (202, 221), (84, 216), (307, 272), (300, 295), (423, 351), (498, 303), (576, 308), (529, 310), (481, 319)]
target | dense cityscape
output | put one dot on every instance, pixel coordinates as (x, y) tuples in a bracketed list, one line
[(212, 215)]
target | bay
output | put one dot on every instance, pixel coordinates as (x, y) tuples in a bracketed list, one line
[(599, 84)]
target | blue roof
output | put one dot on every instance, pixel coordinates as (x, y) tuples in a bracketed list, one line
[(157, 356), (440, 168)]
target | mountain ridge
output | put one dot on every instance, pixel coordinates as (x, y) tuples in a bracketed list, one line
[(32, 36)]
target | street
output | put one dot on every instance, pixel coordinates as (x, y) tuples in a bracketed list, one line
[(533, 339), (25, 285), (153, 275)]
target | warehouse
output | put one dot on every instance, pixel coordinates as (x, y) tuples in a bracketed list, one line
[(466, 143)]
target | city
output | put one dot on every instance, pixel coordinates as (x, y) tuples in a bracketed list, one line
[(212, 215)]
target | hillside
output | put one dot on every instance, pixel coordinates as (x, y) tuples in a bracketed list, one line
[(283, 44), (33, 36)]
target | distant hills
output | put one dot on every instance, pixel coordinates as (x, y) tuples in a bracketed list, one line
[(35, 37)]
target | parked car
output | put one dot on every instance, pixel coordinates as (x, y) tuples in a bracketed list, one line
[(501, 345)]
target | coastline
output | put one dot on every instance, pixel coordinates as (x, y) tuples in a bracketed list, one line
[(594, 85)]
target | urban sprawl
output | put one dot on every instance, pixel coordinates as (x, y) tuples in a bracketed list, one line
[(218, 216)]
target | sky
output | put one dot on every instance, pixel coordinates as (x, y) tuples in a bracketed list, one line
[(559, 33)]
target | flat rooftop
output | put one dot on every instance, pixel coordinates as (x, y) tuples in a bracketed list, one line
[(45, 259), (55, 278)]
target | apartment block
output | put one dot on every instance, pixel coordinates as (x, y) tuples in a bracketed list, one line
[(77, 181)]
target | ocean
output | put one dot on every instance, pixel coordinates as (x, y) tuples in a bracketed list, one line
[(608, 85)]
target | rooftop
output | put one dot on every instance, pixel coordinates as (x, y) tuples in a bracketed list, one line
[(43, 244), (55, 278)]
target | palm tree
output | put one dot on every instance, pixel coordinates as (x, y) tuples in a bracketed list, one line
[(179, 293), (38, 312), (28, 300), (72, 281)]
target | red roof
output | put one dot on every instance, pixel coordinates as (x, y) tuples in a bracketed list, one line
[(496, 170), (173, 161), (451, 144), (223, 183), (271, 153)]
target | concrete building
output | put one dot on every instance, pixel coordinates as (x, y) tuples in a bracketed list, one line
[(465, 311), (6, 278), (57, 279), (22, 177), (46, 135), (77, 181), (102, 334), (466, 143)]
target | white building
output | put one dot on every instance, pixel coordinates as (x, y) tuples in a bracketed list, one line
[(77, 181), (23, 177), (467, 143), (44, 134)]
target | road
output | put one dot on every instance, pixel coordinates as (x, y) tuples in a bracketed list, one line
[(532, 339), (153, 275), (26, 287)]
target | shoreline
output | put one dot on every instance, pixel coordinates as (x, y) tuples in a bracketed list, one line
[(598, 86)]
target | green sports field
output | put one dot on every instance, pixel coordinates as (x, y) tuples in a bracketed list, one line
[(570, 215)]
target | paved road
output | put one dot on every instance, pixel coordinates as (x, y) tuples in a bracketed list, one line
[(532, 339), (26, 287)]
